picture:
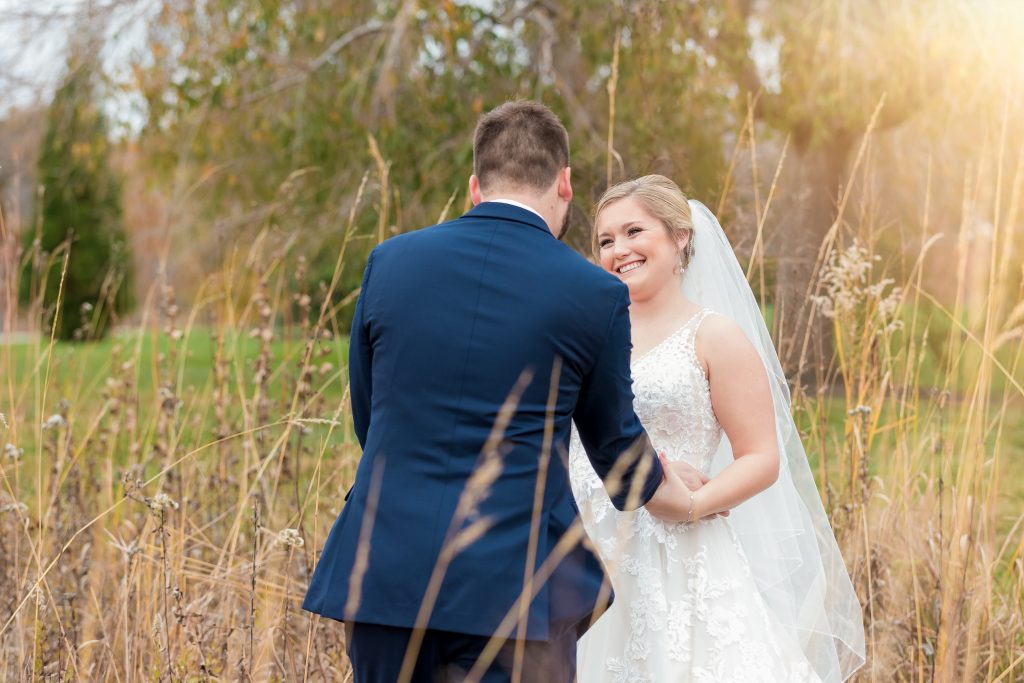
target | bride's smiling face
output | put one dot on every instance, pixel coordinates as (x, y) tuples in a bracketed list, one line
[(637, 247)]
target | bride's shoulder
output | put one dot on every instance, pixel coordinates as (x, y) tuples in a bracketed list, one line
[(721, 338), (717, 327)]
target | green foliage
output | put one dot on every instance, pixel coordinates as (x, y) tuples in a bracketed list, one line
[(271, 107), (78, 216)]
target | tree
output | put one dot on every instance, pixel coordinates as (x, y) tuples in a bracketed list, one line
[(268, 109), (818, 70), (78, 208)]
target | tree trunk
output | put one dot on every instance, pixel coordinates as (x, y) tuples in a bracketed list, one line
[(814, 185)]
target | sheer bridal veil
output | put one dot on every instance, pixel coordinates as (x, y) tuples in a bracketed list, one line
[(784, 530)]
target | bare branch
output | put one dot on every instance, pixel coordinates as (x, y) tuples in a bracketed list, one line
[(387, 80), (302, 76), (580, 114)]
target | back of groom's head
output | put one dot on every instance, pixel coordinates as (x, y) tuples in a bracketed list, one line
[(519, 146)]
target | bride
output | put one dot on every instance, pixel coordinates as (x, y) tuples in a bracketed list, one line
[(754, 588)]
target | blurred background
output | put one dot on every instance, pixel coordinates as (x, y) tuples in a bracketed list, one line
[(190, 189)]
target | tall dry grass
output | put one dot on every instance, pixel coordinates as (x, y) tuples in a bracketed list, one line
[(160, 518)]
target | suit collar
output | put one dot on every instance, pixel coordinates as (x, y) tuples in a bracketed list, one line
[(508, 212)]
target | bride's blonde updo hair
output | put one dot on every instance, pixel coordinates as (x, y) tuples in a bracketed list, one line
[(661, 198)]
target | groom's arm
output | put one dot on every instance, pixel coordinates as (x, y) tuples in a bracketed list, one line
[(611, 433), (360, 359)]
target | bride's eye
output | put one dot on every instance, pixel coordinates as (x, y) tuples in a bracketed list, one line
[(636, 229), (604, 243)]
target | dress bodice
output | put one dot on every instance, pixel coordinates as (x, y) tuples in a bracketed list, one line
[(672, 398)]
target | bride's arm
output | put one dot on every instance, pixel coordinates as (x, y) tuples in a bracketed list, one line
[(742, 403)]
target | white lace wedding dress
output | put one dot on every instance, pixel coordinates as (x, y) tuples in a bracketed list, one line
[(686, 606)]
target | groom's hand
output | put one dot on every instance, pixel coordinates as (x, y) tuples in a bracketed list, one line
[(663, 506), (672, 501), (691, 476)]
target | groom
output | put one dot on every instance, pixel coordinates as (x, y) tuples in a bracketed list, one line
[(454, 322)]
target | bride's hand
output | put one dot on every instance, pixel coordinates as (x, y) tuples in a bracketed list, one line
[(693, 478), (672, 502)]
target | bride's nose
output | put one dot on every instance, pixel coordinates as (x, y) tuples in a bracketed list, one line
[(621, 250)]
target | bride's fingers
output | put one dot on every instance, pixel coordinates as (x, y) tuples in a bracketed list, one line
[(672, 476), (691, 471), (686, 474)]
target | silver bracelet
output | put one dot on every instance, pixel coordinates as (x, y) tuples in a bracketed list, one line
[(689, 515)]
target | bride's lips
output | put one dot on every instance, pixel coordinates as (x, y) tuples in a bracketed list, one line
[(627, 268)]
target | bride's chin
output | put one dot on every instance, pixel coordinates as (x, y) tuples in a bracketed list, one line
[(636, 294)]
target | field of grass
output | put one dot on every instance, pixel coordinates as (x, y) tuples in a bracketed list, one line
[(164, 493), (150, 491)]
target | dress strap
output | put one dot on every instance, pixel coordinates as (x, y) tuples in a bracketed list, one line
[(690, 335), (695, 322)]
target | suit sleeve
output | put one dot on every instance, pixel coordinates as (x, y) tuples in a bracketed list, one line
[(360, 361), (614, 439)]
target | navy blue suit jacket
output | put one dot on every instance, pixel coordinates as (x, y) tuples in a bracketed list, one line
[(448, 319)]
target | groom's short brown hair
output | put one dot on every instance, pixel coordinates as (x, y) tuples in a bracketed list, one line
[(519, 145)]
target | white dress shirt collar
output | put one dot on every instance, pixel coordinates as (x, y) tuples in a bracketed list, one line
[(502, 200)]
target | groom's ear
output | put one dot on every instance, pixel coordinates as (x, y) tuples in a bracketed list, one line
[(474, 190), (565, 184)]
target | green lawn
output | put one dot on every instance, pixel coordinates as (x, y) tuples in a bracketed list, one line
[(80, 368), (84, 374)]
